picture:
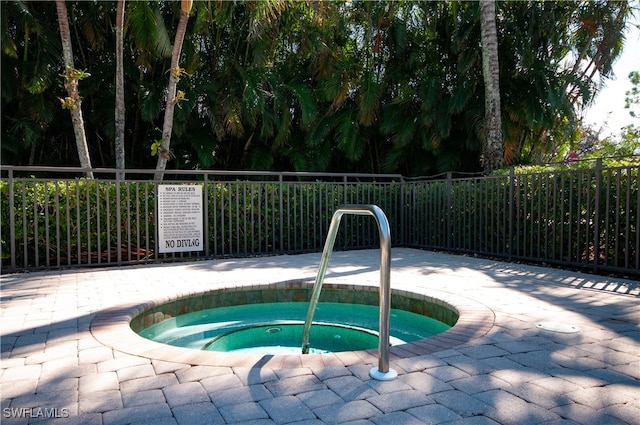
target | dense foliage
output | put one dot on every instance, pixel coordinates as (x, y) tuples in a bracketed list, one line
[(574, 216), (387, 86)]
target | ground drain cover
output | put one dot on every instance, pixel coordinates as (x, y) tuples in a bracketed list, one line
[(558, 327)]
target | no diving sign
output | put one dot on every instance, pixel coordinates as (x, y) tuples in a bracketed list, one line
[(180, 218)]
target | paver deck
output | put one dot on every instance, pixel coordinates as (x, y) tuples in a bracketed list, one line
[(68, 356)]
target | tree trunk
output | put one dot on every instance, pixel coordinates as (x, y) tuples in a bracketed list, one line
[(71, 84), (174, 76), (120, 107), (493, 157)]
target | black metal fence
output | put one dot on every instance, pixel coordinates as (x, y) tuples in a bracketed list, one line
[(52, 222), (586, 218)]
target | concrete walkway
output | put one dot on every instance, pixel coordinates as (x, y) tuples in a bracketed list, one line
[(63, 362)]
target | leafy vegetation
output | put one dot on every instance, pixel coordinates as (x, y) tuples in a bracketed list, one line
[(389, 86)]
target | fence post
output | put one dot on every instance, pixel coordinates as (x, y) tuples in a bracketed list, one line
[(512, 177), (119, 178), (12, 222), (449, 212), (281, 212), (345, 201), (206, 215), (596, 221), (403, 233)]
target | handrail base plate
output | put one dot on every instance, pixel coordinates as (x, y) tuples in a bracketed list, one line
[(382, 376)]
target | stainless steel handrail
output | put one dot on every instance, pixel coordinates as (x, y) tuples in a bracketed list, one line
[(382, 372)]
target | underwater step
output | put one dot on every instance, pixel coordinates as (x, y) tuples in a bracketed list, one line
[(284, 338), (231, 328)]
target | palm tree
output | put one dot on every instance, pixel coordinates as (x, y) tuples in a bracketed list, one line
[(350, 86), (494, 146), (599, 36), (120, 108), (72, 76), (551, 69), (175, 73)]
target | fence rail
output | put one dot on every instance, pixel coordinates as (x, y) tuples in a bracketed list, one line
[(586, 218)]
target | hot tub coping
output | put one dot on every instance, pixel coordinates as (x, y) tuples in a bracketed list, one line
[(115, 326)]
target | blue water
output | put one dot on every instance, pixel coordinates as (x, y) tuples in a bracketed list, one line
[(276, 328)]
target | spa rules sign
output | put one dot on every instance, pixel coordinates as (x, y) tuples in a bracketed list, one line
[(180, 218)]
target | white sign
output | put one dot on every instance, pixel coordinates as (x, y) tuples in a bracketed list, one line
[(180, 218)]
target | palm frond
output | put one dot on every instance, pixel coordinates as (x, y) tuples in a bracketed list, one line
[(348, 136), (369, 99), (146, 28), (305, 99), (320, 130)]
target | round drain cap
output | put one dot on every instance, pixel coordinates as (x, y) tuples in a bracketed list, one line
[(558, 327)]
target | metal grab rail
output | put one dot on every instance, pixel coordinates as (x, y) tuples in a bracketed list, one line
[(382, 372)]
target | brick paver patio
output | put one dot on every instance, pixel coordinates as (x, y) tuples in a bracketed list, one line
[(68, 356)]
